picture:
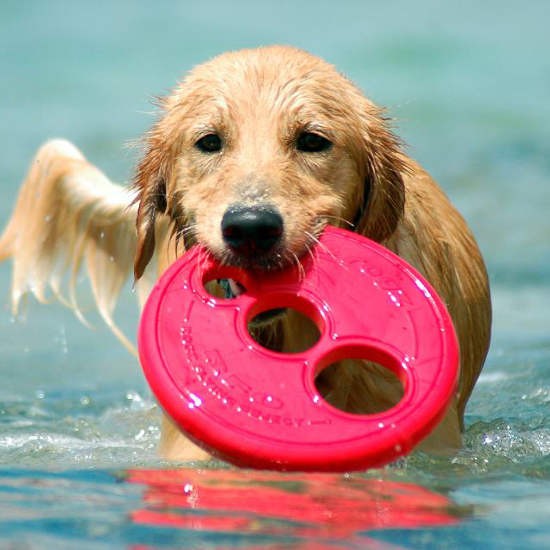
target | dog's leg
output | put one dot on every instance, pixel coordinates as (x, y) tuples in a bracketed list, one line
[(175, 446)]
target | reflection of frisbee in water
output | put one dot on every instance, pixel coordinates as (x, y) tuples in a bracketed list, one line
[(321, 508), (259, 408)]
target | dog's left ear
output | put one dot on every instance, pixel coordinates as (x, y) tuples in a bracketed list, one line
[(383, 197), (150, 181)]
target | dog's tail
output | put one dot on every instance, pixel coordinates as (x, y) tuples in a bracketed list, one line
[(68, 212)]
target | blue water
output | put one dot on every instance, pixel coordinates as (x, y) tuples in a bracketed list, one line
[(468, 85)]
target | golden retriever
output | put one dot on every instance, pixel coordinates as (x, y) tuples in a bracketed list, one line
[(254, 152)]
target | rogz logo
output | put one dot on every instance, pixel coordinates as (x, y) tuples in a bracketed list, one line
[(208, 375)]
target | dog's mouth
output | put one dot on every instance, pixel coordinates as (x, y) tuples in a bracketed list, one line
[(233, 289), (275, 260), (267, 255)]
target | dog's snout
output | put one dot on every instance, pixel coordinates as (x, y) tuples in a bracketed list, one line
[(252, 230)]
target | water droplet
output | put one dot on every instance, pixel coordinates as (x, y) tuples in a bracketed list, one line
[(197, 401)]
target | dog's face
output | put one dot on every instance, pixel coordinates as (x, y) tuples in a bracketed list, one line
[(258, 150)]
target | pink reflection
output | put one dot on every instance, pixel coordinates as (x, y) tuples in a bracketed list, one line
[(316, 507)]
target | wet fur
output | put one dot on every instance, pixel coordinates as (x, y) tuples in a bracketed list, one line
[(258, 101)]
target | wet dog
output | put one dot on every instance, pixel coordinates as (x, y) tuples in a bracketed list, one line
[(253, 154)]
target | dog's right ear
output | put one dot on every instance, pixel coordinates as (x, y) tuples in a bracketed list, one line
[(382, 203), (152, 175)]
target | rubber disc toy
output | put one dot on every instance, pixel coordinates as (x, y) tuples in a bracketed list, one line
[(259, 408)]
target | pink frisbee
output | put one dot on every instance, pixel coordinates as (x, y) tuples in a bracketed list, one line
[(260, 408)]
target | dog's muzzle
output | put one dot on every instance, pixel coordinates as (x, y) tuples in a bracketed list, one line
[(252, 231), (253, 234)]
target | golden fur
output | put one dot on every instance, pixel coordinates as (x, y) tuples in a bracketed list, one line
[(258, 102)]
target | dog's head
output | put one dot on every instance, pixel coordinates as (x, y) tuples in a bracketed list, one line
[(256, 151)]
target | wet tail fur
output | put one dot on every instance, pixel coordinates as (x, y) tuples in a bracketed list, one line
[(69, 213)]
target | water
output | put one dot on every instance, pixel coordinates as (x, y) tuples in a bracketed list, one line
[(469, 87)]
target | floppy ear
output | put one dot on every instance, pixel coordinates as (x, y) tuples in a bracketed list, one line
[(383, 196), (152, 175)]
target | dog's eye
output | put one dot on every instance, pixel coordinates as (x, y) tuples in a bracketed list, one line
[(210, 143), (310, 142)]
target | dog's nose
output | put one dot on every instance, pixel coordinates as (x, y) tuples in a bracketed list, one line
[(252, 230)]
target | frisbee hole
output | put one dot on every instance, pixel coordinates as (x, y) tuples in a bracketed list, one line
[(267, 327), (360, 384), (225, 285)]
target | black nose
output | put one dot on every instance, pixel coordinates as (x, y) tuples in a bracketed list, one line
[(252, 230)]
